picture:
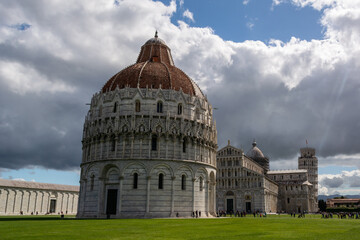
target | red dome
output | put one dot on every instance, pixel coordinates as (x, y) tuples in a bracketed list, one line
[(154, 68)]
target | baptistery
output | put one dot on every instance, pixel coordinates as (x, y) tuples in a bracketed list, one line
[(149, 143)]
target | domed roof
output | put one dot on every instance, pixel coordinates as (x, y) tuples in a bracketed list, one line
[(255, 152), (155, 69)]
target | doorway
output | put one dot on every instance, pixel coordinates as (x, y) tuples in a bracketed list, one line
[(52, 205), (230, 206), (248, 207), (111, 201)]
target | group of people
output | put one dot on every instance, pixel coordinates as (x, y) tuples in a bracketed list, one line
[(301, 215), (238, 213), (196, 214), (341, 215)]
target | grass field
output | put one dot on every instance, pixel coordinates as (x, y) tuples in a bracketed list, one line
[(272, 227)]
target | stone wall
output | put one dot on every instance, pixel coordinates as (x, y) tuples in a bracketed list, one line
[(17, 200), (147, 199)]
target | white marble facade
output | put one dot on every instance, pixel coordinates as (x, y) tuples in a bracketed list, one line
[(244, 184), (20, 197), (148, 151)]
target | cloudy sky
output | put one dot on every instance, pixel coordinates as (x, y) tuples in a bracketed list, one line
[(278, 71)]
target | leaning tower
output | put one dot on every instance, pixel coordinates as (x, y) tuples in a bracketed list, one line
[(309, 161)]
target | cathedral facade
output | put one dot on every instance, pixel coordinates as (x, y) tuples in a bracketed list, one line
[(149, 143), (245, 183)]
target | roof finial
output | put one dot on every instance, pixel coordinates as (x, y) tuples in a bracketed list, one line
[(156, 33), (254, 143)]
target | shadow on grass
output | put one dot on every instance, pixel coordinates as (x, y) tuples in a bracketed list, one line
[(38, 218), (47, 218)]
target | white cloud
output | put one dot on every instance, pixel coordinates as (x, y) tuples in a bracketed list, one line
[(317, 4), (245, 2), (352, 160), (188, 15), (346, 182), (250, 25), (25, 79), (19, 179)]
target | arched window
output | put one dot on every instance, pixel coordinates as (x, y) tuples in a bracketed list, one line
[(135, 181), (161, 181), (201, 184), (179, 108), (154, 143), (197, 114), (92, 182), (183, 182), (113, 144), (184, 145), (137, 106), (100, 110), (159, 107), (89, 150), (115, 107)]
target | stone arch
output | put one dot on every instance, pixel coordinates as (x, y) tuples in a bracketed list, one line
[(125, 128), (162, 167), (201, 171), (91, 170), (105, 169), (229, 193), (178, 171), (113, 174), (131, 168)]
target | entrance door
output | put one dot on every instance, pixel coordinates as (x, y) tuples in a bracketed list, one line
[(248, 207), (111, 201), (230, 205), (52, 205)]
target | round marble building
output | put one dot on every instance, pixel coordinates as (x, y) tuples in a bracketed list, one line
[(149, 143)]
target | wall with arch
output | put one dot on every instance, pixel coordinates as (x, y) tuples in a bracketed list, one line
[(27, 198), (147, 200)]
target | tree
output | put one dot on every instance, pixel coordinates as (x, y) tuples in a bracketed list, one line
[(322, 205)]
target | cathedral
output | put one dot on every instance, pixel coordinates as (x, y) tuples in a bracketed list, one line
[(149, 143), (245, 183)]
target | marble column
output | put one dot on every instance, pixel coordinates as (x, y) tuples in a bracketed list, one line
[(193, 194), (101, 196), (15, 195), (172, 196), (132, 138), (35, 203), (82, 199), (22, 200), (116, 143), (7, 200), (207, 198), (121, 180), (148, 179)]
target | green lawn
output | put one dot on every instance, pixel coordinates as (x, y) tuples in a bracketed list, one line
[(272, 227)]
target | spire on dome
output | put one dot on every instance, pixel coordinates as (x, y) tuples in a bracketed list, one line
[(156, 34), (254, 143)]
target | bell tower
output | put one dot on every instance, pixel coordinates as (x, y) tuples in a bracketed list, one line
[(309, 161)]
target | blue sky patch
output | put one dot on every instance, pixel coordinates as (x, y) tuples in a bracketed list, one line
[(21, 27), (256, 20)]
